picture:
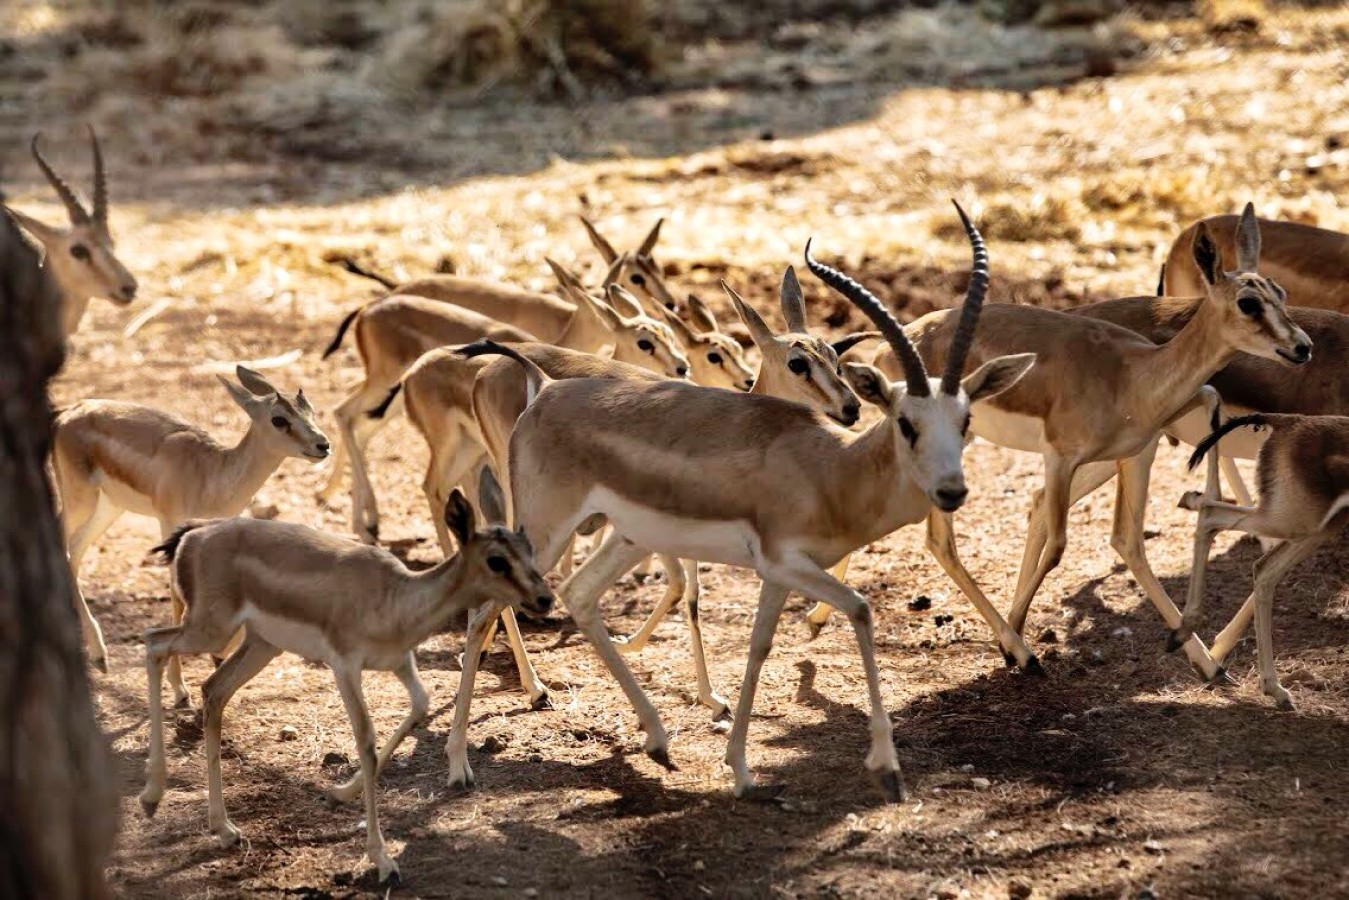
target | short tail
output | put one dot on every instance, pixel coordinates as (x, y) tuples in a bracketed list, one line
[(165, 552), (341, 332), (379, 411), (356, 268), (534, 376), (1161, 282), (1257, 420)]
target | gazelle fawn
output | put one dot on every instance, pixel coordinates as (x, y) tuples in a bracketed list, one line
[(332, 600), (1303, 474), (81, 256), (111, 457)]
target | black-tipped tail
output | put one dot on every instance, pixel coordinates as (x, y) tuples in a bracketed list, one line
[(356, 268), (1257, 421), (341, 332), (379, 411), (1161, 282), (167, 551), (848, 341), (535, 376)]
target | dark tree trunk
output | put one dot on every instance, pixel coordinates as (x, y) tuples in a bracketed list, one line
[(58, 800)]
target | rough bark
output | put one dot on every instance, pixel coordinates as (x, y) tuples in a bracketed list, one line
[(58, 801)]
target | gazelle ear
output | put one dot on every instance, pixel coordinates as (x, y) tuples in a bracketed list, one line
[(604, 247), (1248, 240), (793, 302), (681, 328), (869, 383), (565, 277), (598, 308), (700, 315), (459, 517), (996, 376), (40, 232), (758, 329), (1206, 255), (622, 300), (649, 242), (302, 402), (260, 386), (491, 500), (238, 394)]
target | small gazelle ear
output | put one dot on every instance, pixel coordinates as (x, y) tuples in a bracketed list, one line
[(491, 499), (1206, 255), (604, 247), (459, 517), (1248, 240), (302, 402), (260, 386), (700, 315), (40, 232), (238, 394), (793, 302), (682, 329), (566, 278), (599, 308), (759, 331), (996, 376), (869, 383), (622, 300), (649, 242)]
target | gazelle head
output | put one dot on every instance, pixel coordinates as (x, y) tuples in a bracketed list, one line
[(498, 562), (1249, 305), (638, 272), (930, 417), (797, 365), (285, 423), (716, 359), (81, 255), (636, 338)]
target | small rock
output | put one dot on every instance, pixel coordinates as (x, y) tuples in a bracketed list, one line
[(264, 511), (289, 733), (500, 881), (980, 784), (920, 603), (1049, 636), (968, 767), (1147, 894), (699, 865), (1153, 846), (531, 892), (1019, 890), (1122, 631), (493, 744)]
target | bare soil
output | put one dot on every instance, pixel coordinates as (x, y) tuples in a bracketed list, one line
[(1117, 774)]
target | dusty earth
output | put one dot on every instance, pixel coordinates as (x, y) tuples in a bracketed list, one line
[(1117, 774)]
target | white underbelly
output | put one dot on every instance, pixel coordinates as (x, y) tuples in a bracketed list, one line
[(1008, 429), (1242, 443), (731, 542), (299, 638)]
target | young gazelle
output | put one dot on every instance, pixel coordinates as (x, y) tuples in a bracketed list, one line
[(330, 600), (111, 457), (1304, 502), (637, 271), (775, 487), (1308, 262), (1101, 394), (80, 257), (795, 366)]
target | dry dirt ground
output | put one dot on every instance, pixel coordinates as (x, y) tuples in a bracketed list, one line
[(1117, 774)]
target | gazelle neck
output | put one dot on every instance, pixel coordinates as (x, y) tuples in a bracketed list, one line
[(870, 485), (73, 308), (429, 599), (584, 333), (247, 466), (1177, 369)]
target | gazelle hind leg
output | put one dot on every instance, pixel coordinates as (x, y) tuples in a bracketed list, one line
[(675, 589), (1269, 572), (529, 678), (420, 706), (819, 614), (241, 667), (99, 512), (772, 596), (355, 429), (1055, 502), (942, 545), (692, 595), (349, 686)]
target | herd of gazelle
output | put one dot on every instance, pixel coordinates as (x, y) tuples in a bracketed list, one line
[(575, 414)]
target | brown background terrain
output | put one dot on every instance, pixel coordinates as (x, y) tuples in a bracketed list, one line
[(246, 148)]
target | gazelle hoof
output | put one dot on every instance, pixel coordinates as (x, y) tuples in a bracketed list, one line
[(149, 807), (100, 664), (891, 784), (1033, 667), (761, 793), (1221, 678), (1008, 660), (1190, 500), (815, 629), (662, 757), (465, 782), (1285, 703), (393, 878), (541, 702), (1177, 639)]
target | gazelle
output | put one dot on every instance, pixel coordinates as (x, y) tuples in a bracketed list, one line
[(638, 270), (330, 600), (1304, 502), (111, 457), (1100, 394), (1308, 262), (80, 257), (795, 366), (715, 359), (775, 487)]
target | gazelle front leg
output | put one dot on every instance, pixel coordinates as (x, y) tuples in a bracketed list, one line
[(819, 614), (456, 745), (800, 574), (771, 599), (421, 705), (942, 545), (349, 686)]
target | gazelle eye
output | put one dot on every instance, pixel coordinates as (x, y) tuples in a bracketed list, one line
[(714, 358), (638, 279), (1248, 305), (646, 345), (498, 564), (281, 423), (910, 433), (80, 252), (798, 365)]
